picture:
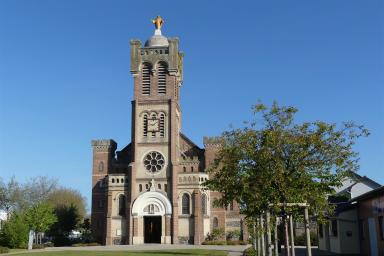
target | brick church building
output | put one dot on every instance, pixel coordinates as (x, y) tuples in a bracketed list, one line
[(151, 190)]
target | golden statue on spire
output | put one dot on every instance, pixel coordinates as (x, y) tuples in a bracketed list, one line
[(158, 21)]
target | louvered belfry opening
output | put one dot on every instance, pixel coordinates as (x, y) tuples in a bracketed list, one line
[(145, 125), (162, 124), (162, 78), (146, 79)]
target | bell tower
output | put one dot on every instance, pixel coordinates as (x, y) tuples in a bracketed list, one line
[(157, 72)]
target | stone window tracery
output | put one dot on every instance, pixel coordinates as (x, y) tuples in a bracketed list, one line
[(154, 161), (185, 204), (204, 204), (121, 205)]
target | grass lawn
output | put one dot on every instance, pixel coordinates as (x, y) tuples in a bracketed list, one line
[(189, 252)]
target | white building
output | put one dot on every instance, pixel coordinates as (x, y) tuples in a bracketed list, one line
[(341, 233)]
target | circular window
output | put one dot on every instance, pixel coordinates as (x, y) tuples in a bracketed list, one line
[(154, 161)]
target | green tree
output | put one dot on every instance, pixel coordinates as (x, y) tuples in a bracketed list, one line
[(68, 219), (14, 233), (275, 160), (68, 197), (40, 217)]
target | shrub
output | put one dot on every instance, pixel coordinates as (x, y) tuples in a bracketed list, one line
[(215, 242), (4, 249), (233, 235), (302, 240), (236, 242), (217, 234), (93, 244), (85, 244), (38, 246), (250, 252), (14, 233)]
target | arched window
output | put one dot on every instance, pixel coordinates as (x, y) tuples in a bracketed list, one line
[(204, 204), (191, 168), (122, 205), (215, 222), (162, 78), (140, 187), (185, 204), (101, 166), (146, 79), (184, 169), (153, 116), (145, 125), (162, 125)]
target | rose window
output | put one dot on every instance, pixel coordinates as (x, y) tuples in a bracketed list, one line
[(154, 161)]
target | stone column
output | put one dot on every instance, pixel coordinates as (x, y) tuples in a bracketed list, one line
[(135, 229), (108, 233), (168, 225), (198, 218)]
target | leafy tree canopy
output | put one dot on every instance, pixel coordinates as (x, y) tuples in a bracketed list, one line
[(40, 217), (66, 198), (274, 160)]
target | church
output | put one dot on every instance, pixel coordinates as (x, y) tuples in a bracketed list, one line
[(151, 191)]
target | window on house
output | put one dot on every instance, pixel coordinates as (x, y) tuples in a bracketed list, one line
[(122, 205), (334, 227), (146, 79), (162, 78), (101, 166), (145, 125), (204, 204), (215, 223), (185, 204), (162, 125)]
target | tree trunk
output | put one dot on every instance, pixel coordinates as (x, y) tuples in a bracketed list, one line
[(307, 232), (269, 240), (276, 238), (291, 233), (286, 236)]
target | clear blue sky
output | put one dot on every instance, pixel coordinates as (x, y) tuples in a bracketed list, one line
[(64, 73)]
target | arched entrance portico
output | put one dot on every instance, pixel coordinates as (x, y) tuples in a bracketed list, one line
[(151, 218)]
